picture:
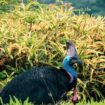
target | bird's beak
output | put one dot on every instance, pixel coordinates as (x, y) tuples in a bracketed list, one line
[(71, 51)]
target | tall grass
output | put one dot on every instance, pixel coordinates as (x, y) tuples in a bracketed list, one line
[(26, 102), (31, 36)]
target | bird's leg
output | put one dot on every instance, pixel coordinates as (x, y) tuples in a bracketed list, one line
[(75, 96)]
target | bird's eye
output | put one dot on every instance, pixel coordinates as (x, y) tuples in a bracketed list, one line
[(66, 59)]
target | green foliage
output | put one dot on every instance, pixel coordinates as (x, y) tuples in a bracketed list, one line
[(15, 101), (26, 102), (29, 37), (83, 103), (94, 7)]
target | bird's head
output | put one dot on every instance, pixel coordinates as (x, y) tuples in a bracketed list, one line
[(71, 57)]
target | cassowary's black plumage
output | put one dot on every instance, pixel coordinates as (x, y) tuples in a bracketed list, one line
[(41, 85)]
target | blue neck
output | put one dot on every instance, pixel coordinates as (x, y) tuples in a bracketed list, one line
[(68, 67)]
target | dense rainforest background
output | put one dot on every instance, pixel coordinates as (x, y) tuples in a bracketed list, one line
[(34, 32), (97, 7), (94, 7)]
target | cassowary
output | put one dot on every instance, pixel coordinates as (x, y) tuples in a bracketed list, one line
[(45, 84)]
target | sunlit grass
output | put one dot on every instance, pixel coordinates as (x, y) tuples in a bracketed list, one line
[(29, 37), (26, 102)]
